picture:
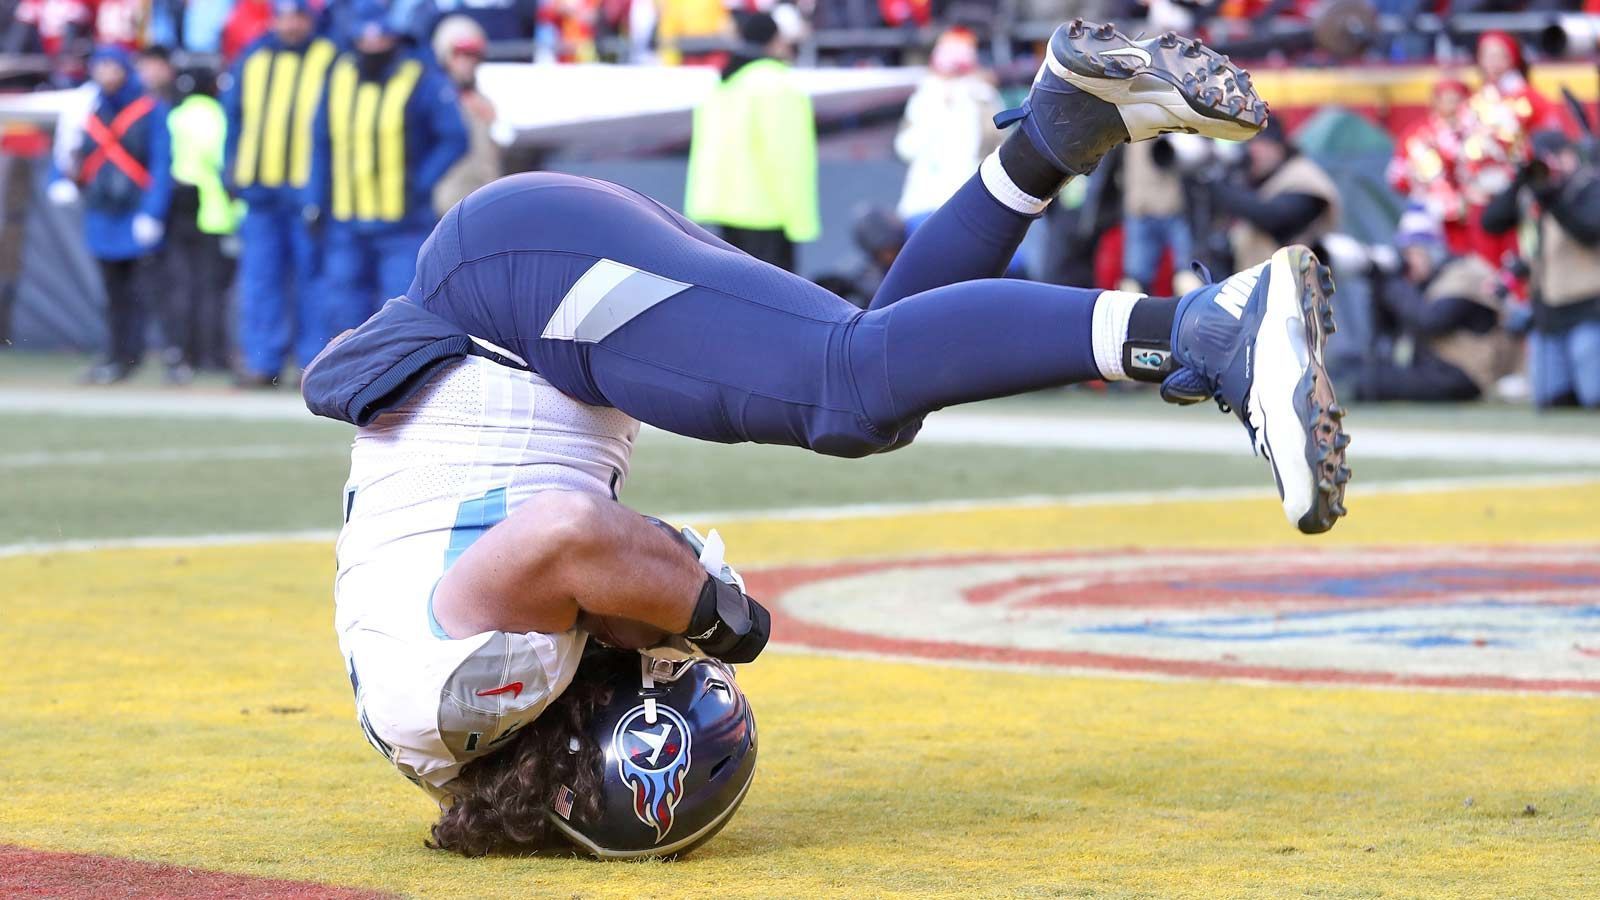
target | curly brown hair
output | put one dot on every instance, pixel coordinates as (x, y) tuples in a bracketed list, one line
[(498, 802)]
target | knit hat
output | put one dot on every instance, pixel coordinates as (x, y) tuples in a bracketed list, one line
[(372, 16), (1419, 227), (112, 53), (457, 33), (955, 53), (1513, 47), (755, 28), (1451, 84)]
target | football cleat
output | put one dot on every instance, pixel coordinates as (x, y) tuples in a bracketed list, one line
[(1098, 88), (1254, 342)]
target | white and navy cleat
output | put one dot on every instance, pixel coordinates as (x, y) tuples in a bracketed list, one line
[(1161, 85), (1097, 88), (1254, 342)]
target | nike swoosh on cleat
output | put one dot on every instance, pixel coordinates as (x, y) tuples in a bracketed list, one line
[(1135, 52)]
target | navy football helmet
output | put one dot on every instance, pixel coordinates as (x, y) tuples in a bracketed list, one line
[(678, 753)]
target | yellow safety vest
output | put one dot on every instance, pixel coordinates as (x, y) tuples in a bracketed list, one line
[(279, 91), (367, 133)]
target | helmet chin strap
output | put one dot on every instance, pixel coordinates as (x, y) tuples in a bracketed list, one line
[(649, 682)]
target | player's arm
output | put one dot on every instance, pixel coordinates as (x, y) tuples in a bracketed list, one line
[(561, 556)]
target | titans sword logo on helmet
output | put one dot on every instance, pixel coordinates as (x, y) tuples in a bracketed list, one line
[(652, 749)]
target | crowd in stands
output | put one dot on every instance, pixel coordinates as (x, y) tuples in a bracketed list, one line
[(647, 31), (311, 170)]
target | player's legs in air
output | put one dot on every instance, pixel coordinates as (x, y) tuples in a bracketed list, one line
[(620, 303)]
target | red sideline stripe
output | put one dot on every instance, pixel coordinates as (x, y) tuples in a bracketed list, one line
[(37, 873), (774, 583)]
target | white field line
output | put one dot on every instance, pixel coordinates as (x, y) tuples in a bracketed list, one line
[(1218, 436), (186, 404), (1173, 433), (176, 454), (856, 510), (167, 542)]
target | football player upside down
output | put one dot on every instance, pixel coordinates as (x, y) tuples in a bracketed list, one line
[(498, 402)]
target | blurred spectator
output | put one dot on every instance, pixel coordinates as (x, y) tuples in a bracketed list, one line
[(120, 23), (154, 65), (1286, 198), (1565, 341), (458, 44), (905, 13), (249, 20), (48, 26), (272, 97), (753, 154), (1428, 159), (1154, 221), (566, 31), (123, 174), (388, 129), (679, 19), (1504, 112), (201, 214), (1444, 313), (948, 125)]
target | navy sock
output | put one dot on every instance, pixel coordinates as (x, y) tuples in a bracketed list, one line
[(1028, 168)]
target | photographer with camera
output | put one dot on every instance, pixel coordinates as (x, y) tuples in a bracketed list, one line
[(1438, 317), (1563, 194), (1286, 198)]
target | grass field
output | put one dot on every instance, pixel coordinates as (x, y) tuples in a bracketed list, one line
[(186, 704)]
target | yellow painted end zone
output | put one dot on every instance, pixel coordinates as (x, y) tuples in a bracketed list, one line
[(190, 707)]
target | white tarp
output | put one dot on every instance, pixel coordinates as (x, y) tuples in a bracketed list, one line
[(558, 104)]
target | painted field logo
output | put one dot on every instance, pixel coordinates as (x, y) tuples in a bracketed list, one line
[(1486, 618)]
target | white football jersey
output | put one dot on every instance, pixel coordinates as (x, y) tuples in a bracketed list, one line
[(426, 480)]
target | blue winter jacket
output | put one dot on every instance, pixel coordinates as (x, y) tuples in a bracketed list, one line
[(111, 199), (285, 195), (436, 137)]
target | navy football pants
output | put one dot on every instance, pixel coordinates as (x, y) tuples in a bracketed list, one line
[(618, 301)]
